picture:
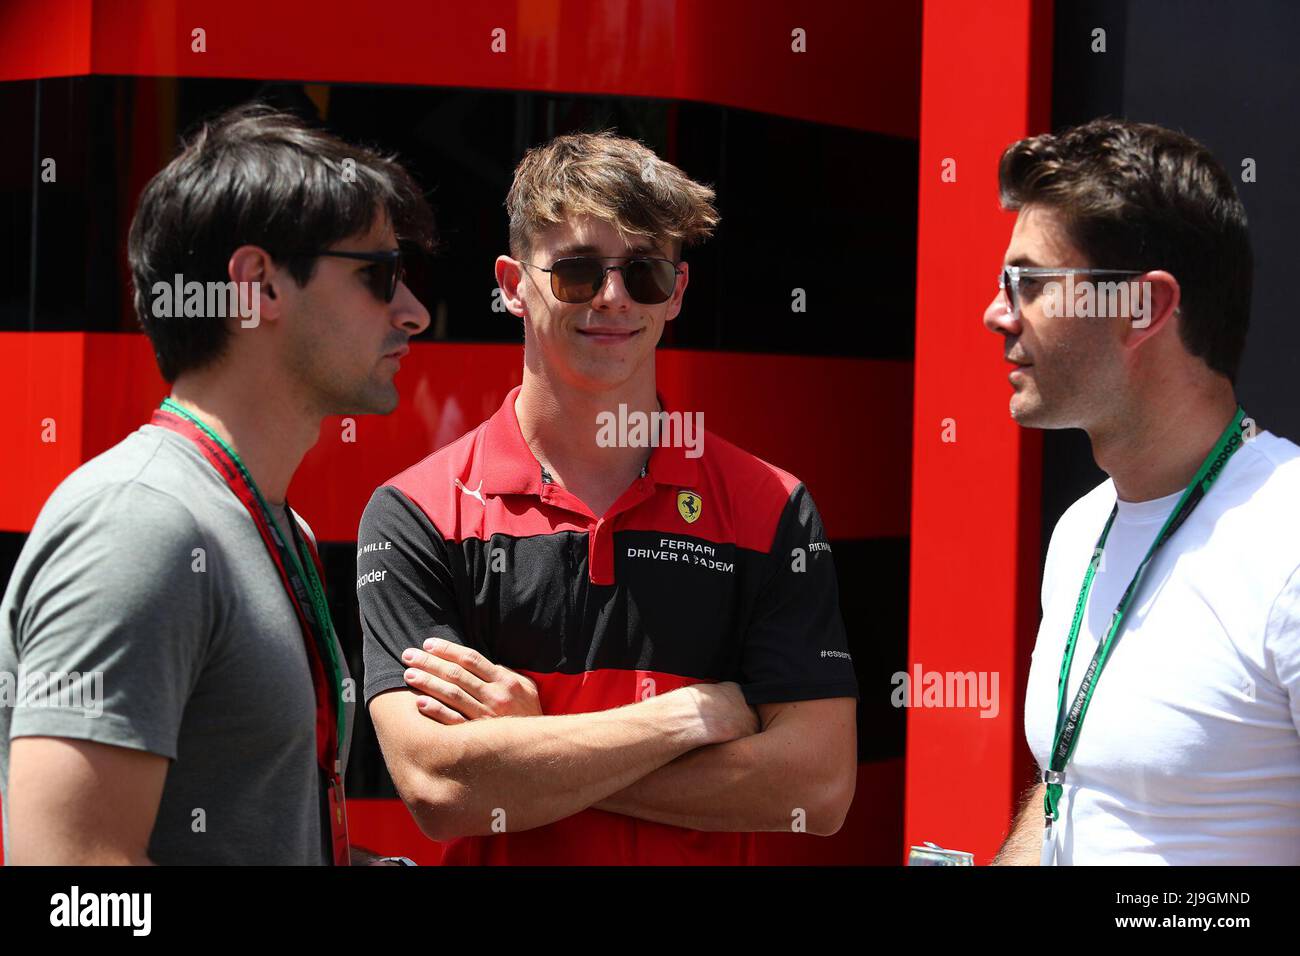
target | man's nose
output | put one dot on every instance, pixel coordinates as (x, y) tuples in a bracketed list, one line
[(409, 312), (613, 294), (998, 316)]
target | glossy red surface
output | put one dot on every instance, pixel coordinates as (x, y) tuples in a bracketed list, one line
[(858, 68), (975, 501)]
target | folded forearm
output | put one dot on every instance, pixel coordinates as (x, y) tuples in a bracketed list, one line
[(516, 773), (718, 788), (739, 786)]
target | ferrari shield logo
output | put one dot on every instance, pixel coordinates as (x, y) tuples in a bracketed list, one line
[(688, 505)]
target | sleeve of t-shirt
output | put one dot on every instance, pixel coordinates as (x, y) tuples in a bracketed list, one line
[(114, 622), (1282, 642), (405, 588), (795, 647)]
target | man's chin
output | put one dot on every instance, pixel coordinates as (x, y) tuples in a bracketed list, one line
[(375, 400), (611, 376), (1030, 411), (385, 401), (1027, 411)]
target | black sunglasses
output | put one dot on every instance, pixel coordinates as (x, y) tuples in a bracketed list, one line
[(578, 279), (383, 276)]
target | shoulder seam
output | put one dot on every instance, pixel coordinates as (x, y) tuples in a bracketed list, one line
[(120, 486)]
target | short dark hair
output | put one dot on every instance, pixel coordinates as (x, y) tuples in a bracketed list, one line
[(1139, 196), (256, 175)]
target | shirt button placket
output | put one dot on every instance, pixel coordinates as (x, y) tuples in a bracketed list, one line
[(600, 553)]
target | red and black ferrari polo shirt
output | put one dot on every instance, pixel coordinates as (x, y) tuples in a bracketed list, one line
[(712, 568)]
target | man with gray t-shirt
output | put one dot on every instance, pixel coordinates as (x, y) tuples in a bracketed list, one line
[(176, 691), (147, 584)]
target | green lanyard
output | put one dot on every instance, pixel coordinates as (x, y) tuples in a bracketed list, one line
[(303, 563), (1069, 723)]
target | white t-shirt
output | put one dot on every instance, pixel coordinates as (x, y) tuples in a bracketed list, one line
[(1190, 750)]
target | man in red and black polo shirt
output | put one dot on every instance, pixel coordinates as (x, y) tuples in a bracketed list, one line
[(594, 632)]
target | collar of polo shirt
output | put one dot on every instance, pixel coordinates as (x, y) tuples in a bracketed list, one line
[(511, 468)]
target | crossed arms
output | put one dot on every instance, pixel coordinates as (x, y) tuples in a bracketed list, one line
[(696, 757)]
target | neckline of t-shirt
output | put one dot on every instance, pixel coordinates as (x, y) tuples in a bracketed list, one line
[(184, 446), (1157, 509), (177, 440), (1143, 512)]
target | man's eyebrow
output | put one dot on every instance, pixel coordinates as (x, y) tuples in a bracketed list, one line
[(1028, 262)]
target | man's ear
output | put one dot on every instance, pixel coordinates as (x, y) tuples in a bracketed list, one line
[(253, 264), (510, 276), (1153, 304)]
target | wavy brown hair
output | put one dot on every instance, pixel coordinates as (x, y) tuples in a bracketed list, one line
[(611, 178)]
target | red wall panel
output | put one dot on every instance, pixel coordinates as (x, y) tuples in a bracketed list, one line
[(40, 380), (51, 38), (860, 66), (96, 387), (975, 515)]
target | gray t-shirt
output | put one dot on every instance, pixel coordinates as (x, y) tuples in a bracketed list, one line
[(145, 612)]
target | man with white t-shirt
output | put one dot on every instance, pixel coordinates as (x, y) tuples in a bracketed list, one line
[(1171, 592)]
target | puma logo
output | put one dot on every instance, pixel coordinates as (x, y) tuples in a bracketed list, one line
[(473, 493)]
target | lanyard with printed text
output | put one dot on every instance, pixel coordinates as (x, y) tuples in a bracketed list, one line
[(1069, 722), (300, 574)]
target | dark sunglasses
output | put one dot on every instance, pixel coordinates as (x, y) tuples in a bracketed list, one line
[(578, 279), (382, 277)]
